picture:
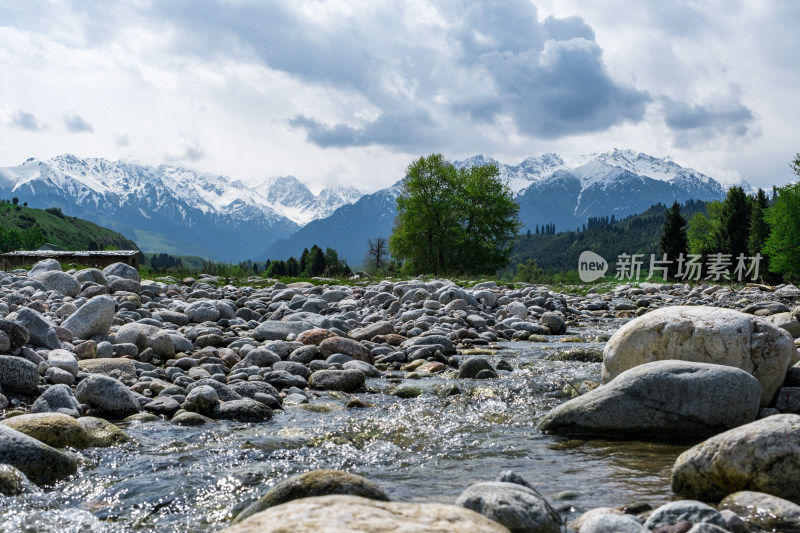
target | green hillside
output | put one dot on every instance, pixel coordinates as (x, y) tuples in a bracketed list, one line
[(636, 234), (69, 233)]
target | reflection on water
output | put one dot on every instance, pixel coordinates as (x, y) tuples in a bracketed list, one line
[(421, 449)]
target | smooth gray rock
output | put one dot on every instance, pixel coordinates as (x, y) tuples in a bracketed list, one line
[(113, 399), (612, 523), (146, 336), (383, 327), (705, 335), (244, 410), (45, 265), (59, 281), (663, 400), (64, 360), (92, 318), (17, 334), (690, 510), (202, 311), (555, 323), (18, 375), (341, 380), (518, 508), (314, 483), (122, 270), (249, 389), (39, 462), (41, 329), (786, 321), (278, 330), (58, 399), (91, 275), (202, 399), (763, 456), (225, 393), (368, 370), (470, 368), (260, 357)]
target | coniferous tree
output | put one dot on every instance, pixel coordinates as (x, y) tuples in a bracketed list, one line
[(759, 229), (734, 228), (673, 237)]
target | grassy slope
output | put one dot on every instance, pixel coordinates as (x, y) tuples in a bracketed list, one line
[(69, 233)]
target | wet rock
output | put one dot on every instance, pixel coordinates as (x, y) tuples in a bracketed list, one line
[(314, 483), (54, 429), (663, 399), (515, 506), (244, 410), (353, 513), (763, 511), (18, 375), (684, 510), (41, 463), (706, 335), (470, 368), (12, 481), (92, 318), (341, 380), (763, 456), (203, 399), (555, 323), (164, 406), (188, 418), (102, 433), (109, 396)]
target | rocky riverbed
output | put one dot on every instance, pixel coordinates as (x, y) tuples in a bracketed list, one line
[(173, 405)]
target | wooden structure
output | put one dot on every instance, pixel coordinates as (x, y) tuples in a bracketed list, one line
[(96, 259)]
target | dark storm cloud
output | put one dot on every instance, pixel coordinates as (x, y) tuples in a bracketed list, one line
[(77, 124), (547, 76), (696, 123)]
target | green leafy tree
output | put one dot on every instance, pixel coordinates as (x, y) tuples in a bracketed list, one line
[(783, 244), (703, 231), (453, 220), (734, 228), (674, 241)]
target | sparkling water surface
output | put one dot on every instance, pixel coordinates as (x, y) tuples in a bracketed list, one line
[(424, 449)]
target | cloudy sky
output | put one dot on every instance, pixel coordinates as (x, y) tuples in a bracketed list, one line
[(349, 92)]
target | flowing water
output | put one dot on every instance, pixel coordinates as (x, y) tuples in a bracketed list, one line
[(423, 449)]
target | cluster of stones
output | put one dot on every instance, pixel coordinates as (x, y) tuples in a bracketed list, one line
[(79, 349)]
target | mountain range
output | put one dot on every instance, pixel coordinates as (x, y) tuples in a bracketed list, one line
[(183, 211), (170, 208)]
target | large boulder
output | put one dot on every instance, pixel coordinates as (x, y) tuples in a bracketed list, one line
[(92, 318), (519, 508), (662, 399), (122, 270), (684, 510), (18, 375), (763, 456), (353, 513), (341, 380), (45, 265), (62, 282), (42, 464), (704, 335), (315, 483), (109, 396)]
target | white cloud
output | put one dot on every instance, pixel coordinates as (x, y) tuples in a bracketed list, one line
[(350, 92)]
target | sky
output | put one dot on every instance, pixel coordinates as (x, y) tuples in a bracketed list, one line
[(350, 92)]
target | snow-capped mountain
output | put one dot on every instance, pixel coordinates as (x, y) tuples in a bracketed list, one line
[(619, 182), (291, 198), (171, 208), (520, 176)]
